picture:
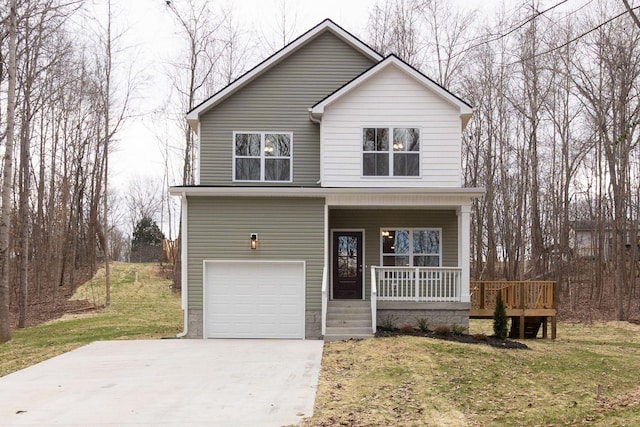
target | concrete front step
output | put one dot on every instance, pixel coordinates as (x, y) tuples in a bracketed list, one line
[(346, 330), (349, 303), (365, 318), (348, 319), (329, 338), (357, 315), (349, 323)]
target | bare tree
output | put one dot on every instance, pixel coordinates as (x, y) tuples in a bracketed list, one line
[(200, 26), (393, 28), (282, 27), (143, 198), (5, 215), (447, 40)]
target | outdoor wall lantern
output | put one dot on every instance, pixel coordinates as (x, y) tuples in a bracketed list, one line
[(254, 240)]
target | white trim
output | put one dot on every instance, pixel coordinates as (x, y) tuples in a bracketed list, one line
[(411, 253), (364, 264), (193, 116), (184, 260), (262, 157), (253, 261), (464, 251), (461, 194), (199, 168), (317, 110)]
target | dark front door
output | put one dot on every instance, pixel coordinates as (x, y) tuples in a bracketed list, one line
[(347, 265)]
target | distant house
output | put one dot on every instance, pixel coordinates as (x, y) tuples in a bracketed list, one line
[(330, 198), (585, 239)]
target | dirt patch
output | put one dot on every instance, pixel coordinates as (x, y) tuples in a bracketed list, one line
[(50, 301), (44, 311), (461, 338), (630, 400)]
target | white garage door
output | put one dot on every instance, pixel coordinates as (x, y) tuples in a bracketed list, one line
[(249, 299)]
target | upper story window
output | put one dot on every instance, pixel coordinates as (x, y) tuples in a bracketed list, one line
[(417, 247), (391, 152), (262, 156)]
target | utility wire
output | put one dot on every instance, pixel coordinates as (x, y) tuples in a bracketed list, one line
[(632, 13), (511, 31), (575, 38)]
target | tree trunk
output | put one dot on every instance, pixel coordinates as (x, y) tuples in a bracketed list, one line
[(7, 176)]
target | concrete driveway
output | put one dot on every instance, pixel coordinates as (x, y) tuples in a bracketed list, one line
[(167, 383)]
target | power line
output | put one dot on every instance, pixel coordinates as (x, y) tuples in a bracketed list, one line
[(512, 30), (574, 39)]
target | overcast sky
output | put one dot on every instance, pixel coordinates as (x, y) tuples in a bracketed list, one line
[(150, 39)]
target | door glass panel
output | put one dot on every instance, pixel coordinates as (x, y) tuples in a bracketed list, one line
[(347, 256)]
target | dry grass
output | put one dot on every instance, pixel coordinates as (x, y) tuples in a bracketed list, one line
[(587, 376), (143, 309)]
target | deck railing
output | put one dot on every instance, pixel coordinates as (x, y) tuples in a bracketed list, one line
[(418, 284), (516, 295)]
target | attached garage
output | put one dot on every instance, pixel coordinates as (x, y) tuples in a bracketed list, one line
[(254, 299)]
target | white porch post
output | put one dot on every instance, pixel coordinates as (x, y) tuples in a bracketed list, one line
[(325, 278), (464, 243)]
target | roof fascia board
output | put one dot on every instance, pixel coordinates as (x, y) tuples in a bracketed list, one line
[(193, 116), (473, 192)]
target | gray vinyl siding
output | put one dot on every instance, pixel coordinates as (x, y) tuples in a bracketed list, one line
[(288, 229), (373, 220), (278, 100)]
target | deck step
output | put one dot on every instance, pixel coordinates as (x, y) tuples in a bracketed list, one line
[(531, 327)]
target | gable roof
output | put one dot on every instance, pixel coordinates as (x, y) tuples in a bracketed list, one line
[(465, 109), (193, 116)]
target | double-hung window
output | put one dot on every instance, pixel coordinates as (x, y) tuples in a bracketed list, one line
[(391, 151), (417, 247), (262, 156)]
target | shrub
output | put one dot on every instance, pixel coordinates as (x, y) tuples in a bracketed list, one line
[(423, 324), (388, 323), (407, 329), (481, 337), (442, 330), (458, 329), (500, 319)]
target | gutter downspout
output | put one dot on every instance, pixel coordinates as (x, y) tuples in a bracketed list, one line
[(183, 269), (319, 122)]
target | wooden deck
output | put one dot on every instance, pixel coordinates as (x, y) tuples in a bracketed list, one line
[(530, 303)]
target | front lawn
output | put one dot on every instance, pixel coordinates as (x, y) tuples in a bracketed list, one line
[(588, 376), (146, 308)]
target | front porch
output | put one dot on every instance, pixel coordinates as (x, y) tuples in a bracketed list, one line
[(436, 294), (404, 253), (401, 295)]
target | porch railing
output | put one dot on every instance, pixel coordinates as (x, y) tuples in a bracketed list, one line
[(418, 284), (515, 295)]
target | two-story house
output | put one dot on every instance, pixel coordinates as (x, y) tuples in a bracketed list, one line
[(330, 198)]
